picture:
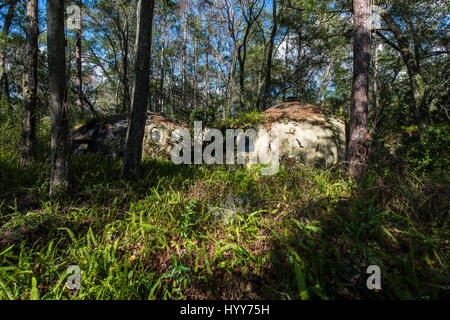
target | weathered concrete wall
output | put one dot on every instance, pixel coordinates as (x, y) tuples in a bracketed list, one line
[(108, 136), (308, 133), (309, 142)]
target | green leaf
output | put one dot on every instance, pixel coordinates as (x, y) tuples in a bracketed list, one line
[(34, 290)]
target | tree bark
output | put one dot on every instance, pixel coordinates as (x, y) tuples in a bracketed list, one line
[(183, 58), (135, 133), (286, 63), (360, 89), (250, 18), (79, 77), (60, 160), (207, 84), (375, 78), (194, 77), (323, 90), (30, 85), (230, 85), (5, 31), (126, 86), (409, 57), (163, 61), (242, 57), (206, 94), (298, 83), (268, 82)]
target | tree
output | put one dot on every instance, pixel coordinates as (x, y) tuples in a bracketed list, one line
[(183, 54), (268, 83), (360, 88), (30, 85), (251, 13), (79, 77), (60, 160), (163, 58), (136, 127), (207, 67), (109, 29), (124, 35), (406, 42), (5, 32)]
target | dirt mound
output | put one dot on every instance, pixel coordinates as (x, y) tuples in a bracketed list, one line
[(297, 111), (157, 118)]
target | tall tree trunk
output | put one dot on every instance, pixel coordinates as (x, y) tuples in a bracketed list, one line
[(360, 89), (183, 59), (163, 61), (117, 94), (375, 78), (194, 82), (60, 160), (30, 85), (261, 77), (268, 82), (230, 85), (79, 77), (286, 63), (410, 58), (126, 86), (135, 132), (171, 97), (5, 32), (242, 56), (323, 91), (206, 94), (250, 18), (298, 83)]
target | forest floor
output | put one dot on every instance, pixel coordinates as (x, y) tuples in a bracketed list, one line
[(301, 234)]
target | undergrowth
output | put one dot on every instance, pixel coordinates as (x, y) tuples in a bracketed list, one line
[(301, 234)]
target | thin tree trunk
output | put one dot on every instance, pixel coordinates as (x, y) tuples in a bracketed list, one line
[(409, 56), (268, 82), (375, 78), (162, 62), (325, 82), (194, 82), (79, 79), (207, 80), (117, 95), (299, 63), (250, 18), (360, 89), (206, 94), (171, 97), (242, 56), (60, 161), (5, 32), (136, 128), (183, 59), (230, 85), (261, 78), (286, 62), (126, 86), (30, 85)]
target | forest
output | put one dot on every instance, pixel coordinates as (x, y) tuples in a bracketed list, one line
[(347, 100)]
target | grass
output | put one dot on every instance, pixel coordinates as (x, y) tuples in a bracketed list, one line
[(302, 234)]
